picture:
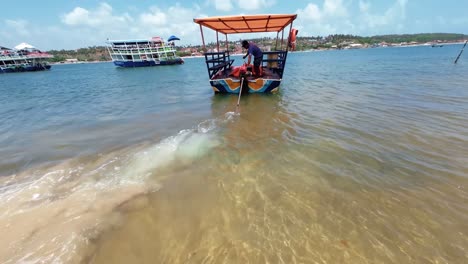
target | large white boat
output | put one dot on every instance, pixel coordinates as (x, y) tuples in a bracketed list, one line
[(23, 57), (143, 52)]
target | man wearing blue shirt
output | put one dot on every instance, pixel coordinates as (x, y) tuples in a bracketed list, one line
[(256, 52)]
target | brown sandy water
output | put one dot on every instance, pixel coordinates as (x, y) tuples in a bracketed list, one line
[(260, 197)]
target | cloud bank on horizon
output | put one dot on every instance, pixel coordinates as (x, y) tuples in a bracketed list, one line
[(68, 27)]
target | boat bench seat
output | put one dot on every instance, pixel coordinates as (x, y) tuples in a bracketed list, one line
[(221, 65)]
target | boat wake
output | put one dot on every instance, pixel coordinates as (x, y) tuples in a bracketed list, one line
[(51, 214)]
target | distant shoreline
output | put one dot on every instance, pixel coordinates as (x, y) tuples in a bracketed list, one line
[(78, 62), (298, 51)]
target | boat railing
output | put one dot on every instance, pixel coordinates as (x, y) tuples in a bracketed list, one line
[(25, 57), (141, 49), (216, 61), (13, 57), (275, 61)]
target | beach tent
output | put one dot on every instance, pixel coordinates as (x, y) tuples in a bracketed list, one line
[(24, 46), (171, 38)]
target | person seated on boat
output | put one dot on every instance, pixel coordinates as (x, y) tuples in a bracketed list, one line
[(256, 52)]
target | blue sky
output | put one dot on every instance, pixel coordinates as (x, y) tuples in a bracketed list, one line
[(70, 24)]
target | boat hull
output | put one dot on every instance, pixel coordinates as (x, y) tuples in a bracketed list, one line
[(132, 64), (25, 69), (259, 85)]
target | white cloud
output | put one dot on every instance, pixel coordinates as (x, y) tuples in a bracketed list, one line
[(402, 2), (94, 18), (249, 5), (331, 9), (311, 12), (222, 5), (19, 26), (175, 20), (254, 4), (76, 17), (333, 18), (103, 22), (82, 27), (328, 19), (155, 18), (334, 8), (14, 32), (364, 6), (392, 16)]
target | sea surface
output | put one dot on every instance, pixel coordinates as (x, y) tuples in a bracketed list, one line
[(362, 157)]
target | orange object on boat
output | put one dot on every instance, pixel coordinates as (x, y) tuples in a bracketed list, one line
[(238, 70), (292, 38)]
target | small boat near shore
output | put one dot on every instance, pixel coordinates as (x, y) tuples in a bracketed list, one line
[(143, 52), (220, 65), (23, 58)]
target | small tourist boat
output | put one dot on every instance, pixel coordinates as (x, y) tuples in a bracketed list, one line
[(24, 57), (220, 65), (143, 52)]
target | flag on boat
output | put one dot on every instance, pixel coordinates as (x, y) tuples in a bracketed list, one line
[(171, 38), (157, 39)]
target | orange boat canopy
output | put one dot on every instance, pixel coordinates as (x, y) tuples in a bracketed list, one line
[(247, 24)]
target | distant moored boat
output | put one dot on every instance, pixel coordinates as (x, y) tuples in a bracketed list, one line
[(22, 58), (143, 52)]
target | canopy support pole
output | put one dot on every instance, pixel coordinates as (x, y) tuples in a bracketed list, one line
[(289, 36), (276, 43), (203, 38), (282, 38), (227, 44), (217, 42)]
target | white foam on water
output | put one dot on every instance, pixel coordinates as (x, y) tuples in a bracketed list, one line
[(206, 126), (185, 146), (231, 115), (49, 215)]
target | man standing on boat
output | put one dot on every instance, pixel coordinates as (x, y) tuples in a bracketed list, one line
[(256, 52)]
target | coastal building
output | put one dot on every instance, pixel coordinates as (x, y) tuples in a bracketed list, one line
[(71, 60)]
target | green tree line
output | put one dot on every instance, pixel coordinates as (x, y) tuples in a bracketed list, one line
[(100, 53)]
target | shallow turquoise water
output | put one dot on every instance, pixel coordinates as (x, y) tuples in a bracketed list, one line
[(361, 157)]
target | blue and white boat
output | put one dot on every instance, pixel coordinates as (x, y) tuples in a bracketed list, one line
[(22, 58), (143, 52)]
